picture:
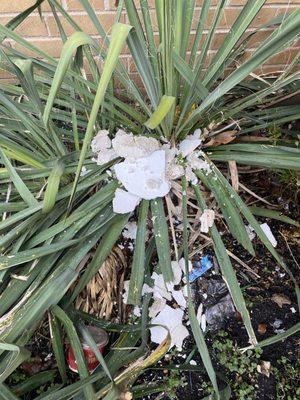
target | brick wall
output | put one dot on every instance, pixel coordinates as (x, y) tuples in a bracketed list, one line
[(45, 35)]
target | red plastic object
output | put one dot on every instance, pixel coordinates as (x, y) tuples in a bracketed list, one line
[(101, 338)]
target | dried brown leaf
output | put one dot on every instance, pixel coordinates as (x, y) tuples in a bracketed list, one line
[(280, 299), (221, 138)]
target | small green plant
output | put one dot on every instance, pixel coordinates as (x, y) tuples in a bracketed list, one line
[(274, 133), (287, 376), (17, 376), (241, 368)]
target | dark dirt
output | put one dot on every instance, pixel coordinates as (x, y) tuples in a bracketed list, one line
[(258, 292)]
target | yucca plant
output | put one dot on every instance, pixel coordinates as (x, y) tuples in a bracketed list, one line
[(53, 214)]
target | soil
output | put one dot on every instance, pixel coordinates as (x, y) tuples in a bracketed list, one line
[(259, 289)]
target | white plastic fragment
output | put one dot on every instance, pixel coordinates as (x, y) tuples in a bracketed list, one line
[(207, 220), (124, 202), (145, 176), (267, 230)]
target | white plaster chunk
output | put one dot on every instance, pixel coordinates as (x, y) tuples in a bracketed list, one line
[(267, 230), (173, 169), (146, 289), (137, 311), (105, 156), (130, 230), (84, 171), (145, 176), (182, 265), (101, 141), (190, 143), (250, 232), (207, 220), (177, 272), (126, 289), (195, 162), (124, 202), (157, 306), (172, 319), (159, 287), (179, 298), (127, 145), (190, 176)]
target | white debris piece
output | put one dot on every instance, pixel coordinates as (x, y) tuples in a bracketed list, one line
[(172, 319), (250, 232), (137, 311), (173, 169), (267, 230), (179, 298), (84, 171), (207, 220), (159, 287), (195, 162), (126, 289), (104, 157), (145, 176), (129, 146), (157, 306), (203, 322), (199, 312), (177, 272), (182, 265), (193, 362), (101, 141), (124, 202), (190, 176), (130, 230), (146, 289), (190, 143)]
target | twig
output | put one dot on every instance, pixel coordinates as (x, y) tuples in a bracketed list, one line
[(256, 195), (242, 263)]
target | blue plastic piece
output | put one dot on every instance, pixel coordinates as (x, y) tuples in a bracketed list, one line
[(204, 265)]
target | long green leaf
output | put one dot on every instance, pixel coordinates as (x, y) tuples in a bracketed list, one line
[(138, 265), (118, 37), (76, 40), (161, 235), (19, 184), (52, 186), (165, 105)]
